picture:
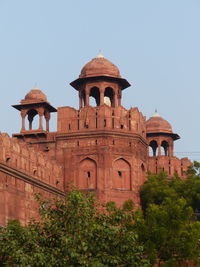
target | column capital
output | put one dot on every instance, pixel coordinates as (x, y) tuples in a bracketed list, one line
[(23, 113), (40, 111)]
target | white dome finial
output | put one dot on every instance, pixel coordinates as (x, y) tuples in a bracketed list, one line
[(156, 114), (99, 55)]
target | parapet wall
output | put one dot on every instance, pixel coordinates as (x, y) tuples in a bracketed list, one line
[(101, 118)]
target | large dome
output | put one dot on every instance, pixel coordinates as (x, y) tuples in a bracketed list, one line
[(36, 95), (156, 124), (99, 66)]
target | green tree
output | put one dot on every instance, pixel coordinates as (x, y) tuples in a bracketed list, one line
[(159, 187), (168, 233), (156, 189), (75, 231), (168, 228)]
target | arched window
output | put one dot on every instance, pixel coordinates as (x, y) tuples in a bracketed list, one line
[(109, 95), (87, 174), (165, 148), (142, 168), (94, 94), (8, 160), (121, 174), (153, 148)]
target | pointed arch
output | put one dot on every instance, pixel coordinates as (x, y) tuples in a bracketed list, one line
[(109, 92), (33, 119), (121, 174), (87, 174), (95, 93), (165, 148), (154, 146)]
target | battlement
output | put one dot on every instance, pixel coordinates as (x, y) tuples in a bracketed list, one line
[(19, 156), (102, 118), (170, 165)]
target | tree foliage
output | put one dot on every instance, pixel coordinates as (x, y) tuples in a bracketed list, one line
[(75, 231), (169, 228), (168, 233)]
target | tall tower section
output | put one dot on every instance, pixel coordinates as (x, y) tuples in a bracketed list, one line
[(102, 145)]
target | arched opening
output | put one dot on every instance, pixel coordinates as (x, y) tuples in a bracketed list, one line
[(121, 175), (8, 160), (87, 174), (109, 96), (165, 148), (143, 171), (142, 168), (153, 148), (32, 122), (94, 96)]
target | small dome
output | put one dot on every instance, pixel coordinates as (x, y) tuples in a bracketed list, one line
[(156, 124), (99, 66), (35, 95)]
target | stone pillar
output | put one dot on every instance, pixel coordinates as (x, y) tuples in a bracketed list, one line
[(30, 119), (47, 118), (101, 96), (119, 96), (87, 102), (40, 125), (119, 100), (159, 149), (80, 100), (23, 115), (115, 101), (171, 149), (40, 113)]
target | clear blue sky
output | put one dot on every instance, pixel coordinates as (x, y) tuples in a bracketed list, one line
[(155, 43)]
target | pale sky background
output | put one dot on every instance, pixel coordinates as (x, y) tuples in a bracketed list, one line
[(155, 44)]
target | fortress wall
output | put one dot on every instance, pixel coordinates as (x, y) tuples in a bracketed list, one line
[(17, 199), (24, 172)]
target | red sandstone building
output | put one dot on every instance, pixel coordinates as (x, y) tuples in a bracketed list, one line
[(106, 149)]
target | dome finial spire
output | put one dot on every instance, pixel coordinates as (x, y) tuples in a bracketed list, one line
[(100, 55), (156, 113)]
